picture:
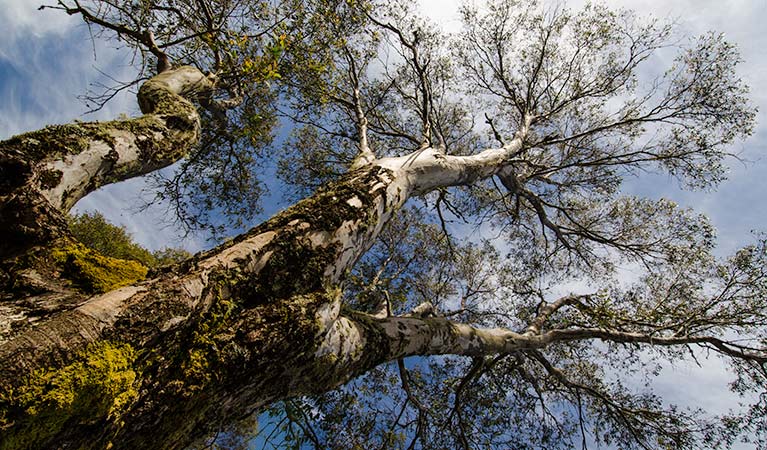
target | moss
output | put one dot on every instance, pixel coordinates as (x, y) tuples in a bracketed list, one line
[(155, 138), (189, 368), (57, 140), (162, 139), (93, 272), (196, 370), (294, 268), (98, 385), (378, 348), (155, 98), (228, 341), (329, 207), (202, 356), (50, 178)]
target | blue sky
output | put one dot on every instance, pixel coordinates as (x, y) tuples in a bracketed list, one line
[(47, 59)]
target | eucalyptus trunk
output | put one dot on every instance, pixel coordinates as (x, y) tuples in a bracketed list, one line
[(96, 354)]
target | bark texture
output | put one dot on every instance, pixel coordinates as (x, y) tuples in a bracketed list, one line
[(94, 355), (45, 172), (229, 331)]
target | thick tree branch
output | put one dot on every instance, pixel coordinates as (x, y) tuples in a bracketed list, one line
[(46, 172), (546, 310), (359, 341), (429, 168)]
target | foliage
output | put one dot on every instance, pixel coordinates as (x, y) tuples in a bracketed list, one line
[(93, 230), (577, 101), (580, 79), (169, 256), (255, 49)]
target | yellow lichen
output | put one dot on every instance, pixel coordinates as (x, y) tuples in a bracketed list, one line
[(99, 384), (197, 370), (93, 272), (198, 366)]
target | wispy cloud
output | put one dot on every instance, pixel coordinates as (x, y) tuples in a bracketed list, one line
[(46, 59)]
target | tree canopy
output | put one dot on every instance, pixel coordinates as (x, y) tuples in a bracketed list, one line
[(463, 206), (93, 230)]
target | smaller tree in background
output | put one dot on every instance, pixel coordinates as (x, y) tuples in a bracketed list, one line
[(93, 230)]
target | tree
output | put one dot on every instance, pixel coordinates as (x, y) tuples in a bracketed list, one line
[(365, 270), (93, 230)]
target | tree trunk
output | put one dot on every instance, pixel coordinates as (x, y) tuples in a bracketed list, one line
[(229, 331), (94, 355)]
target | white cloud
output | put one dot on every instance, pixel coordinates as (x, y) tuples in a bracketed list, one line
[(443, 12), (47, 59), (23, 16)]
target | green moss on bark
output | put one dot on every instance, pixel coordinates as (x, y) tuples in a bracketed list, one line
[(57, 140), (295, 267), (329, 208), (94, 273), (202, 358), (298, 266), (377, 348), (162, 139), (98, 385)]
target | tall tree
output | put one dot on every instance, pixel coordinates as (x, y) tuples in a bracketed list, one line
[(526, 122)]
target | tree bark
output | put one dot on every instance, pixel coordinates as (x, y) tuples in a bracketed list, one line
[(229, 331), (91, 356)]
